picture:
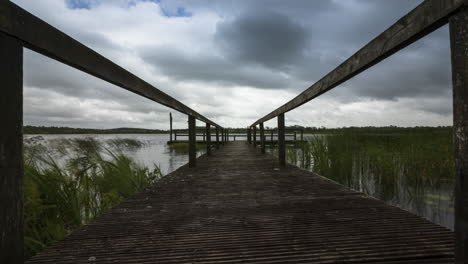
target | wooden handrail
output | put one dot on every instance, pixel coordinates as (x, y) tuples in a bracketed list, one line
[(424, 19), (43, 38)]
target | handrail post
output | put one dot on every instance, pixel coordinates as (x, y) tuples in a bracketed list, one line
[(459, 52), (208, 139), (255, 136), (170, 126), (271, 136), (281, 141), (262, 138), (11, 155), (302, 135), (217, 138), (175, 135), (192, 142), (249, 135), (222, 136)]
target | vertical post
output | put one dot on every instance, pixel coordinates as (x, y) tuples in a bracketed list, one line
[(208, 139), (170, 126), (192, 142), (271, 136), (302, 134), (262, 138), (255, 135), (175, 135), (222, 136), (217, 138), (227, 134), (249, 135), (295, 136), (459, 50), (281, 141), (11, 155), (204, 140)]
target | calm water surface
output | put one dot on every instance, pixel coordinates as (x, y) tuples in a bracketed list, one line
[(154, 151), (434, 203)]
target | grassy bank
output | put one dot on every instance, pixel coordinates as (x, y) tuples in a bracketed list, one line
[(70, 182)]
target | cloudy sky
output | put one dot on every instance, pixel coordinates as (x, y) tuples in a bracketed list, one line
[(235, 61)]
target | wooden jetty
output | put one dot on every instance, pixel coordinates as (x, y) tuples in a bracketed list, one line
[(239, 206)]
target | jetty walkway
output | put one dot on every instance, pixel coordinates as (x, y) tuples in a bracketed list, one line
[(239, 206)]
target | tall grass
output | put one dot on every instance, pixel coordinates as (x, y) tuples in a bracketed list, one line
[(62, 194), (411, 169)]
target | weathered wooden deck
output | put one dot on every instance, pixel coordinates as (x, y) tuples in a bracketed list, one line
[(236, 206)]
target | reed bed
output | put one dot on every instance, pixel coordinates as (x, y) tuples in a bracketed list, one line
[(71, 181)]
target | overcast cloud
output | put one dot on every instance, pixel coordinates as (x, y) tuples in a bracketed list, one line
[(235, 61)]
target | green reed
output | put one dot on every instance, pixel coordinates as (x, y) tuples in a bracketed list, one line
[(410, 168), (61, 194)]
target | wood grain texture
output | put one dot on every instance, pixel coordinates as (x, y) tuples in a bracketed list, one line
[(459, 51), (43, 38), (237, 207), (11, 155), (422, 20)]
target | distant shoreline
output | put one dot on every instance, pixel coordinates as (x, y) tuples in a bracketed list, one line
[(43, 130)]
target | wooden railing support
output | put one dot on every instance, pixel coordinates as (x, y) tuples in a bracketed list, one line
[(170, 126), (249, 135), (302, 135), (281, 141), (175, 135), (459, 50), (217, 138), (262, 138), (192, 142), (11, 155), (255, 136), (208, 139)]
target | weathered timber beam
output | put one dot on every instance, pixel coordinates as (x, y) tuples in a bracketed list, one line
[(262, 138), (11, 155), (208, 139), (459, 51), (281, 141), (424, 19), (192, 142), (43, 38)]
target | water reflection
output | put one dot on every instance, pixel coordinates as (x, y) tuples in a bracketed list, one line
[(153, 152), (411, 171)]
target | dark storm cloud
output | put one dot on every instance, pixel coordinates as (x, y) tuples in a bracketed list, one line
[(209, 68), (267, 38)]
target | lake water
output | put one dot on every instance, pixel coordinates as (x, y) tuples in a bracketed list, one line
[(434, 202), (154, 151)]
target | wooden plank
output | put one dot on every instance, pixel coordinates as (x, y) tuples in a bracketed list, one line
[(424, 19), (262, 139), (234, 207), (281, 141), (254, 136), (217, 137), (192, 142), (170, 126), (208, 139), (41, 37), (11, 155), (459, 50)]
